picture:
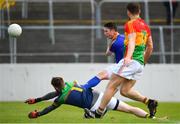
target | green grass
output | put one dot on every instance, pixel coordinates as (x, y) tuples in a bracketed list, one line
[(16, 112)]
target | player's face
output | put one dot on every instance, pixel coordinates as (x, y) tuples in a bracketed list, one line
[(108, 33)]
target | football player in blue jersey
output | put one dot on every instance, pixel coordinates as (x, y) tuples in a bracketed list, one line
[(73, 94), (116, 41), (116, 47)]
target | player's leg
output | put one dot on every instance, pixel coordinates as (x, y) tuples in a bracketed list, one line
[(111, 89), (109, 92), (117, 105), (103, 75), (106, 73), (123, 107), (128, 91), (133, 72), (97, 97)]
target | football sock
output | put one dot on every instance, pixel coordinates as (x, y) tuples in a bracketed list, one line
[(92, 82), (147, 116), (146, 100)]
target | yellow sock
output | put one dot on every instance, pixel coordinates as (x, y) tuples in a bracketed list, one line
[(146, 100), (147, 116)]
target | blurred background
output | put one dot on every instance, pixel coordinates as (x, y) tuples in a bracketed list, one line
[(65, 38), (58, 31)]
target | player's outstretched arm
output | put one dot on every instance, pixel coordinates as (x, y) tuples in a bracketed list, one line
[(50, 95), (30, 101), (46, 97), (36, 114)]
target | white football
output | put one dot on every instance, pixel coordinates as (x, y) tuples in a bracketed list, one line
[(14, 30)]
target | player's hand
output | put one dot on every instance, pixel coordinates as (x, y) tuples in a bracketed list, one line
[(127, 61), (33, 114), (30, 101)]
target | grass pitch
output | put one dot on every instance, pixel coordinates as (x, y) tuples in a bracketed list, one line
[(16, 112)]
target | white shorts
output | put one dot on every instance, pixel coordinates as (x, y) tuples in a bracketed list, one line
[(111, 105), (131, 71)]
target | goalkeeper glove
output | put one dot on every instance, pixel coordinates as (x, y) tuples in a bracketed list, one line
[(30, 101), (33, 114)]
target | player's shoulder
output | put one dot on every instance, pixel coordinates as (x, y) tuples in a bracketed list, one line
[(69, 84), (129, 22), (121, 36), (142, 21)]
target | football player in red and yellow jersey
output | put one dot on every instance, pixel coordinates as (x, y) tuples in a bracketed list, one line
[(138, 48)]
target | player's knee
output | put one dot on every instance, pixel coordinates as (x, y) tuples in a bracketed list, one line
[(124, 92), (103, 75)]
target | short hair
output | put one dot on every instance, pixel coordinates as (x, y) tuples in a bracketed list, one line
[(133, 8), (57, 82), (111, 25)]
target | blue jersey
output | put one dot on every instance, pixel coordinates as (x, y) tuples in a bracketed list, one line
[(75, 95), (82, 99), (118, 48)]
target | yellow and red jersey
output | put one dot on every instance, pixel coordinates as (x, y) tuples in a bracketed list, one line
[(142, 31)]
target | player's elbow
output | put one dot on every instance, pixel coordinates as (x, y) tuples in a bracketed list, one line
[(150, 44), (108, 53), (150, 48)]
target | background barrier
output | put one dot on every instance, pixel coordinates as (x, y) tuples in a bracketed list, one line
[(21, 81)]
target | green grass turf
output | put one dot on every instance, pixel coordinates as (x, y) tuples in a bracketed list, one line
[(16, 112)]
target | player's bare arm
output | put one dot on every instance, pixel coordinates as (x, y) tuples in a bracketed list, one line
[(131, 46), (149, 49), (108, 52)]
